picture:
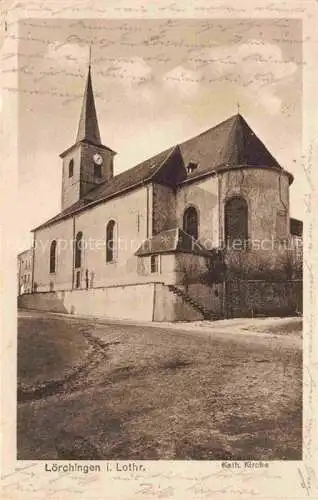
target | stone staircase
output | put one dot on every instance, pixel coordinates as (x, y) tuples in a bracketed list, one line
[(206, 313)]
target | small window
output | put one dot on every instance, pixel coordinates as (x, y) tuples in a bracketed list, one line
[(71, 168), (154, 264), (78, 279), (86, 279), (78, 249), (191, 167), (97, 171)]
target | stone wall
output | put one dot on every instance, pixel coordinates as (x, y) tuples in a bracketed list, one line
[(142, 302), (209, 296), (123, 302), (164, 304), (155, 302), (267, 194), (247, 298)]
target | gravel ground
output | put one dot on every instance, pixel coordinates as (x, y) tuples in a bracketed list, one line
[(205, 392)]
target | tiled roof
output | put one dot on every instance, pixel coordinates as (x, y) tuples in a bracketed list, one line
[(231, 143), (171, 240), (68, 211), (119, 183), (130, 177)]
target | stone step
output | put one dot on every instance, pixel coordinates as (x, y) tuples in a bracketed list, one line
[(207, 314)]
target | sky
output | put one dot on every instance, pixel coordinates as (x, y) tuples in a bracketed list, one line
[(156, 83)]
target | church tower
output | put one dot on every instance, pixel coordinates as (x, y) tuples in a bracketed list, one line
[(88, 162)]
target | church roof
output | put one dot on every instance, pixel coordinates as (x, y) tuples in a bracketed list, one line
[(171, 240), (129, 178), (88, 129), (118, 184), (230, 144)]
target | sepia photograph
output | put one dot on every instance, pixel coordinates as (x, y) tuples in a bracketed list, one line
[(160, 254)]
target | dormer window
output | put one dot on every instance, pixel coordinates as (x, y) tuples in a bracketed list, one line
[(71, 168), (191, 167)]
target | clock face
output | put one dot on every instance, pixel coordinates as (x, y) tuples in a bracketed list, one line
[(97, 159)]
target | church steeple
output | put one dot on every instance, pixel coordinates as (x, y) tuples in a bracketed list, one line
[(87, 163), (88, 129)]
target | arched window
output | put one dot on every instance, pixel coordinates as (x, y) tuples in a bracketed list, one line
[(71, 168), (236, 222), (190, 222), (110, 239), (53, 257), (78, 249)]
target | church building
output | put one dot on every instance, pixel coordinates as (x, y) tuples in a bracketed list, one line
[(150, 243)]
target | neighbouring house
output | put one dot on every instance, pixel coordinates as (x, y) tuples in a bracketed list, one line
[(296, 234), (158, 241), (25, 267)]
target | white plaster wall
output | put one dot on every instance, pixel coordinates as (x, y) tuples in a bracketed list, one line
[(204, 196), (130, 214), (126, 302), (62, 232), (125, 210)]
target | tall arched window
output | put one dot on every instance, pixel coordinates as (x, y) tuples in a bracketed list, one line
[(53, 256), (78, 249), (110, 238), (190, 222), (236, 221)]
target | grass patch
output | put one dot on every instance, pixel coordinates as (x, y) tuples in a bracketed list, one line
[(48, 350)]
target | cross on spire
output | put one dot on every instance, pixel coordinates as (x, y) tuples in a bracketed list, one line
[(238, 107), (90, 55)]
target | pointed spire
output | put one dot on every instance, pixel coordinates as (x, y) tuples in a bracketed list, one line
[(88, 129)]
